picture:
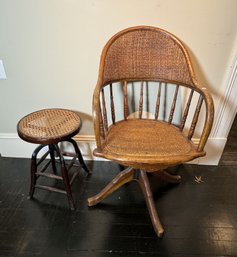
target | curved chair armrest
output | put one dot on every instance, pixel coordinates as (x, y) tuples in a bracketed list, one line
[(208, 120), (97, 115)]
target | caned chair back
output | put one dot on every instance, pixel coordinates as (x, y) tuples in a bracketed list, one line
[(146, 53), (143, 57)]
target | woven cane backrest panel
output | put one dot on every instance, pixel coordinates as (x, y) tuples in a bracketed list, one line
[(149, 54)]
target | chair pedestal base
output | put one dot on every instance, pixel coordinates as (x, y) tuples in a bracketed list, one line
[(140, 176), (163, 175)]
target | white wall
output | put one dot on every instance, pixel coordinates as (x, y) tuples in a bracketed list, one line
[(51, 48)]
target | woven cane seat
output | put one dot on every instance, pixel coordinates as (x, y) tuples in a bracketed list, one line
[(49, 126), (138, 142)]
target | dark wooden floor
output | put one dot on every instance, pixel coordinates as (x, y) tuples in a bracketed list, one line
[(199, 219), (229, 156)]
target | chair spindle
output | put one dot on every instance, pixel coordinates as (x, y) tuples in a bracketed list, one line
[(141, 101), (164, 103), (125, 94), (173, 104), (185, 115), (147, 97), (158, 102), (112, 103), (195, 117), (104, 111)]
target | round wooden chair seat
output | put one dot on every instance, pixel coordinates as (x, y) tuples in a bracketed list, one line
[(147, 144), (49, 126)]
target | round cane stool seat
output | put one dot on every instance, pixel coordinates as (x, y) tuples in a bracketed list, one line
[(49, 126)]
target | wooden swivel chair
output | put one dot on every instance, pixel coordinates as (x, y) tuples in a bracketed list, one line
[(142, 64)]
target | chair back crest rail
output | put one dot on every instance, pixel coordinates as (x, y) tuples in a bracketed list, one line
[(141, 64)]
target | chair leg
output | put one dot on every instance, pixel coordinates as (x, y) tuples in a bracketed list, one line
[(67, 187), (33, 177), (52, 156), (79, 155), (66, 182), (145, 186), (121, 179), (164, 175), (34, 170)]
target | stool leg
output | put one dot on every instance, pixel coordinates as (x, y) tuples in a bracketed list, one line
[(34, 170), (79, 155), (65, 179), (52, 156)]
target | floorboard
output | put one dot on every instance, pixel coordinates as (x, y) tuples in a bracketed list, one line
[(199, 219)]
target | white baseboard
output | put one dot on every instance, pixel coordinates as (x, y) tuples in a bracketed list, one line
[(214, 149), (12, 146)]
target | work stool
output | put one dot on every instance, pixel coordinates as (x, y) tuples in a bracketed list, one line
[(48, 128)]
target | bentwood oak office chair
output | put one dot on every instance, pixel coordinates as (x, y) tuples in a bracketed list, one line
[(142, 64)]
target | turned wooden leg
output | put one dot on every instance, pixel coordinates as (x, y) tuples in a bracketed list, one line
[(64, 173), (145, 186), (67, 186), (121, 179), (33, 176), (164, 175), (34, 170), (79, 155), (52, 156)]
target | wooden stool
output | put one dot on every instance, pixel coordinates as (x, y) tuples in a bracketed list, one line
[(49, 127)]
